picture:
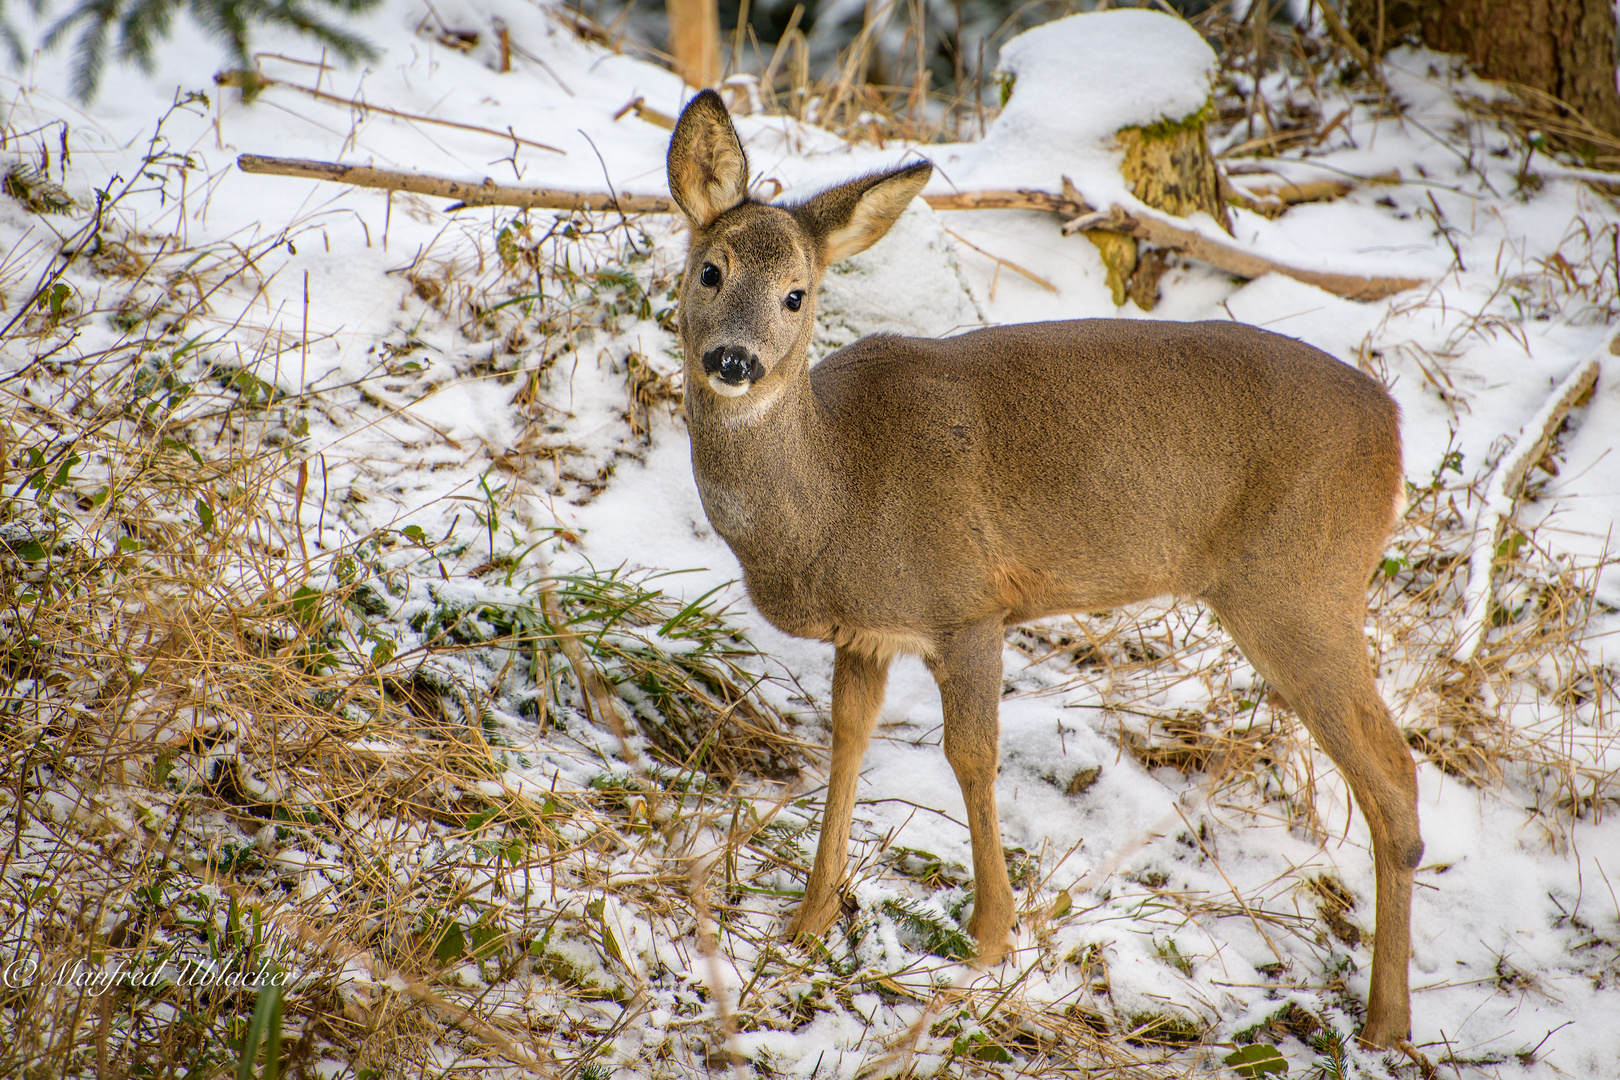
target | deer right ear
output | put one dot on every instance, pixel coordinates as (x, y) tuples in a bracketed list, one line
[(853, 216), (708, 171)]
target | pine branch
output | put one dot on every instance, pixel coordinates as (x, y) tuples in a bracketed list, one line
[(141, 24)]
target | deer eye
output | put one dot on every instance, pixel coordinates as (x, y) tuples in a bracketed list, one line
[(711, 275), (795, 299)]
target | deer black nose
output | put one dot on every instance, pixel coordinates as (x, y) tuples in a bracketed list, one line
[(733, 364)]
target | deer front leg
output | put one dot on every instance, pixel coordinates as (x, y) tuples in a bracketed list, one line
[(968, 670), (858, 683)]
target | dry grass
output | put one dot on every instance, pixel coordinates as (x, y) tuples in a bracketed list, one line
[(229, 744), (1546, 123), (906, 73), (1281, 87), (1539, 658)]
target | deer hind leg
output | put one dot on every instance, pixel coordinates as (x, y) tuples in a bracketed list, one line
[(968, 670), (1316, 655), (859, 680)]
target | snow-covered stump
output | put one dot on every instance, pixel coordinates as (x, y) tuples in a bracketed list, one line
[(1134, 85), (1169, 166)]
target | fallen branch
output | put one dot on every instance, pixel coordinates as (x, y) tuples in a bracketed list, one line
[(1021, 199), (1236, 261), (1502, 492), (1154, 230), (646, 112), (487, 193), (1289, 193), (1273, 200)]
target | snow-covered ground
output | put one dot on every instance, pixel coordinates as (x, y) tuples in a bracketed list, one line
[(1156, 890)]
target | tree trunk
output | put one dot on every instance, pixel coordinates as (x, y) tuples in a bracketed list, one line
[(694, 40), (1563, 49)]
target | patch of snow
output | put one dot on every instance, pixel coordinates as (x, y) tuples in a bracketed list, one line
[(1076, 82), (909, 282)]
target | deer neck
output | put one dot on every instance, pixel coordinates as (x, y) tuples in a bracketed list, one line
[(765, 470)]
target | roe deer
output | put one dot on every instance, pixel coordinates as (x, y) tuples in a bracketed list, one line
[(918, 496)]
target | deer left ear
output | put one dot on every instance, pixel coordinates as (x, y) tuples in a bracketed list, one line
[(708, 171), (852, 217)]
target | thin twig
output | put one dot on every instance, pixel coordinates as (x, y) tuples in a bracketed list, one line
[(1008, 263), (234, 78)]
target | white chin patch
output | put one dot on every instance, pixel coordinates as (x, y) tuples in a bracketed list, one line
[(725, 389)]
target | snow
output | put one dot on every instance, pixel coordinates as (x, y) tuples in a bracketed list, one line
[(1078, 80), (1497, 505), (909, 282), (1472, 358)]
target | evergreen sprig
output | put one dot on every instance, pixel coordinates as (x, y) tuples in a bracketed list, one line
[(141, 24)]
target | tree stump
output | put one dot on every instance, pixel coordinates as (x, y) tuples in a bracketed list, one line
[(1126, 89), (1170, 168)]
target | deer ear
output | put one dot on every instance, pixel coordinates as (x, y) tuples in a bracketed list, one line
[(708, 171), (852, 217)]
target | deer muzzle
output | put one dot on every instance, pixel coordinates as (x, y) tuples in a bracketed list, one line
[(732, 369)]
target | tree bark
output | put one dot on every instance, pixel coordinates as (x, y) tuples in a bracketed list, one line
[(694, 40), (1563, 49), (1170, 168), (1173, 170)]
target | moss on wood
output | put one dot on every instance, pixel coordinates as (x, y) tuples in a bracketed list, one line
[(1170, 168)]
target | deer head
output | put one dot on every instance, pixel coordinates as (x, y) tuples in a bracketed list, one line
[(747, 304)]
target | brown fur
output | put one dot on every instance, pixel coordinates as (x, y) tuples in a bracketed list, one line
[(912, 495)]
